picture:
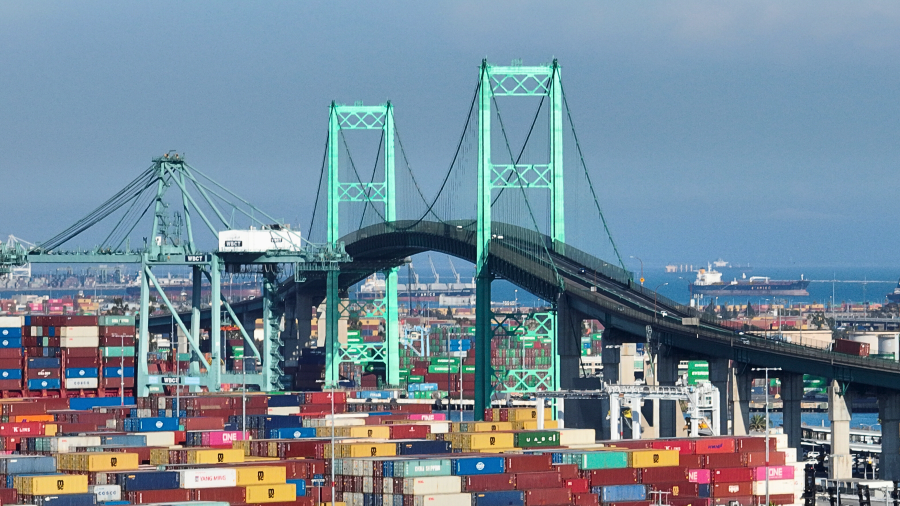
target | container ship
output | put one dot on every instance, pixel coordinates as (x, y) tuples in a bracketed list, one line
[(894, 297), (445, 294), (709, 283)]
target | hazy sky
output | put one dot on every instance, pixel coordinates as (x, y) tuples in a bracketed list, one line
[(762, 132)]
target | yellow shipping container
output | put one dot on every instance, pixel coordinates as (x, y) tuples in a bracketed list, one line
[(241, 445), (97, 461), (159, 456), (654, 458), (374, 431), (521, 414), (52, 484), (260, 475), (50, 429), (371, 450), (215, 456), (482, 441), (284, 492), (532, 424), (489, 426)]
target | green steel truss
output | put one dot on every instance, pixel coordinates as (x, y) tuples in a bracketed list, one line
[(361, 117), (512, 81), (527, 328)]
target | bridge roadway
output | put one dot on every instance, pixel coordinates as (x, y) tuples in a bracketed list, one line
[(618, 302), (589, 288)]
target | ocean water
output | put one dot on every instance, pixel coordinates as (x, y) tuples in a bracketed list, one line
[(857, 421)]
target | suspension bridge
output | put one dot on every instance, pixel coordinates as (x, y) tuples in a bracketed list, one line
[(517, 199)]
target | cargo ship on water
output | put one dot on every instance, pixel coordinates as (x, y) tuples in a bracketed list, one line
[(709, 283), (894, 297)]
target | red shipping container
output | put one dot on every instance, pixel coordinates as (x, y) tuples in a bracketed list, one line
[(635, 503), (77, 321), (8, 496), (325, 398), (731, 474), (678, 489), (757, 459), (204, 423), (690, 501), (172, 495), (778, 499), (642, 444), (654, 475), (119, 362), (407, 431), (117, 341), (577, 485), (81, 352), (528, 463), (115, 382), (526, 481), (82, 361), (707, 446), (10, 384), (722, 490), (849, 347), (117, 332), (587, 499), (548, 496), (718, 460), (10, 352), (567, 471), (684, 446), (488, 482), (22, 429), (691, 461), (627, 476), (754, 444)]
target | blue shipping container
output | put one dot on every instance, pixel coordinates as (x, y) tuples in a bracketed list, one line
[(11, 374), (623, 493), (423, 447), (87, 403), (150, 480), (11, 332), (704, 490), (86, 499), (152, 424), (374, 394), (301, 486), (488, 465), (124, 440), (22, 464), (499, 498), (10, 342), (280, 401), (82, 372), (115, 372), (292, 433), (41, 384)]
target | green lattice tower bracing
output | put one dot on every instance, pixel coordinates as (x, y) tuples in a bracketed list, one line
[(361, 117), (511, 82)]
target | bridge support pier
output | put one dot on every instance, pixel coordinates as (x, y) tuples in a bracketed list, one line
[(840, 464), (721, 375), (741, 387), (791, 397), (670, 420), (889, 413), (576, 413)]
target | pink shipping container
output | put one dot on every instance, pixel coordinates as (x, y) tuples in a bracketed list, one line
[(428, 417), (775, 473), (715, 445), (701, 476), (221, 438)]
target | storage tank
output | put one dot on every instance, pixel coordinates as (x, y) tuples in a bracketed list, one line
[(887, 343), (870, 339)]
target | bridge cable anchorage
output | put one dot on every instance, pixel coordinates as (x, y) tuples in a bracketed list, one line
[(562, 89), (312, 219), (559, 279)]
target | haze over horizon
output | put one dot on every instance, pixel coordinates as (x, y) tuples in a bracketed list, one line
[(760, 132)]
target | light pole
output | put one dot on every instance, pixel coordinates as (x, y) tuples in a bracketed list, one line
[(642, 268), (656, 297), (767, 369)]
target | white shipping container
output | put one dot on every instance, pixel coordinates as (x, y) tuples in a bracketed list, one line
[(427, 485), (37, 331), (775, 487), (68, 444), (283, 410), (164, 438), (259, 241), (790, 455), (208, 478), (443, 499), (82, 383), (79, 342), (576, 437), (106, 493), (781, 442), (79, 331), (12, 321)]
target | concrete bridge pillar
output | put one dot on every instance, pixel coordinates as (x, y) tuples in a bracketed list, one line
[(671, 422), (577, 413), (791, 397), (618, 356), (742, 386), (889, 413), (303, 314), (840, 463), (721, 375)]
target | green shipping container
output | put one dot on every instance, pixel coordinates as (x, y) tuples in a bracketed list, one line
[(451, 369), (444, 361), (599, 460), (116, 321), (237, 352), (416, 379), (468, 369), (419, 468), (354, 340), (536, 439), (118, 351)]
